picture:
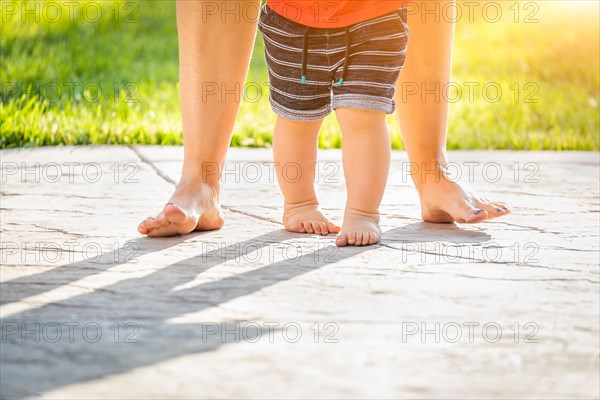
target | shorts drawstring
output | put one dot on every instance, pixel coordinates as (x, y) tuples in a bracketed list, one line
[(346, 57), (305, 55)]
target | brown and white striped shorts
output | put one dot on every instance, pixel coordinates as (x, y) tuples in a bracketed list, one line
[(315, 70)]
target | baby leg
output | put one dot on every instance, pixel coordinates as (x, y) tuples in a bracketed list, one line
[(295, 154), (366, 158)]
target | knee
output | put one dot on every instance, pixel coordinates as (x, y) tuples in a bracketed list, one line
[(360, 120)]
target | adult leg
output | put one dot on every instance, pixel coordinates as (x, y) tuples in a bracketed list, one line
[(216, 53), (424, 124)]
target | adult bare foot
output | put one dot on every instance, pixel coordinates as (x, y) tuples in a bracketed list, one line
[(306, 218), (445, 201), (193, 207), (359, 229)]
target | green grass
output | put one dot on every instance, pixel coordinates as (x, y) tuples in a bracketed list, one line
[(124, 80)]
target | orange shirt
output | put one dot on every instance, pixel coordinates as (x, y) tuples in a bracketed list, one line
[(333, 14)]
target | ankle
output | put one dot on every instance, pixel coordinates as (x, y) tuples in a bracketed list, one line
[(429, 172), (206, 173), (362, 213), (198, 183), (292, 206)]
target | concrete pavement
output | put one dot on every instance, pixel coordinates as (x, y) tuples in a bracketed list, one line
[(91, 309)]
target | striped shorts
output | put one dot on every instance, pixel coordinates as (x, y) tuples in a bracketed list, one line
[(315, 70)]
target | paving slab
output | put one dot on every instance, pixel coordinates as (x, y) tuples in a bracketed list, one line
[(91, 309)]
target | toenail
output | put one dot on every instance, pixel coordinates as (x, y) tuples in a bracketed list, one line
[(499, 210), (505, 209), (477, 211)]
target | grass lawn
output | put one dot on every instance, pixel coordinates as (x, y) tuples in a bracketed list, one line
[(106, 72)]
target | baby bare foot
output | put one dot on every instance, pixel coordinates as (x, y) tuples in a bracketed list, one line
[(193, 207), (445, 201), (306, 218), (359, 229)]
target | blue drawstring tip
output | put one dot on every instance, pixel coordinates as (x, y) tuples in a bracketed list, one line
[(303, 79), (341, 82)]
